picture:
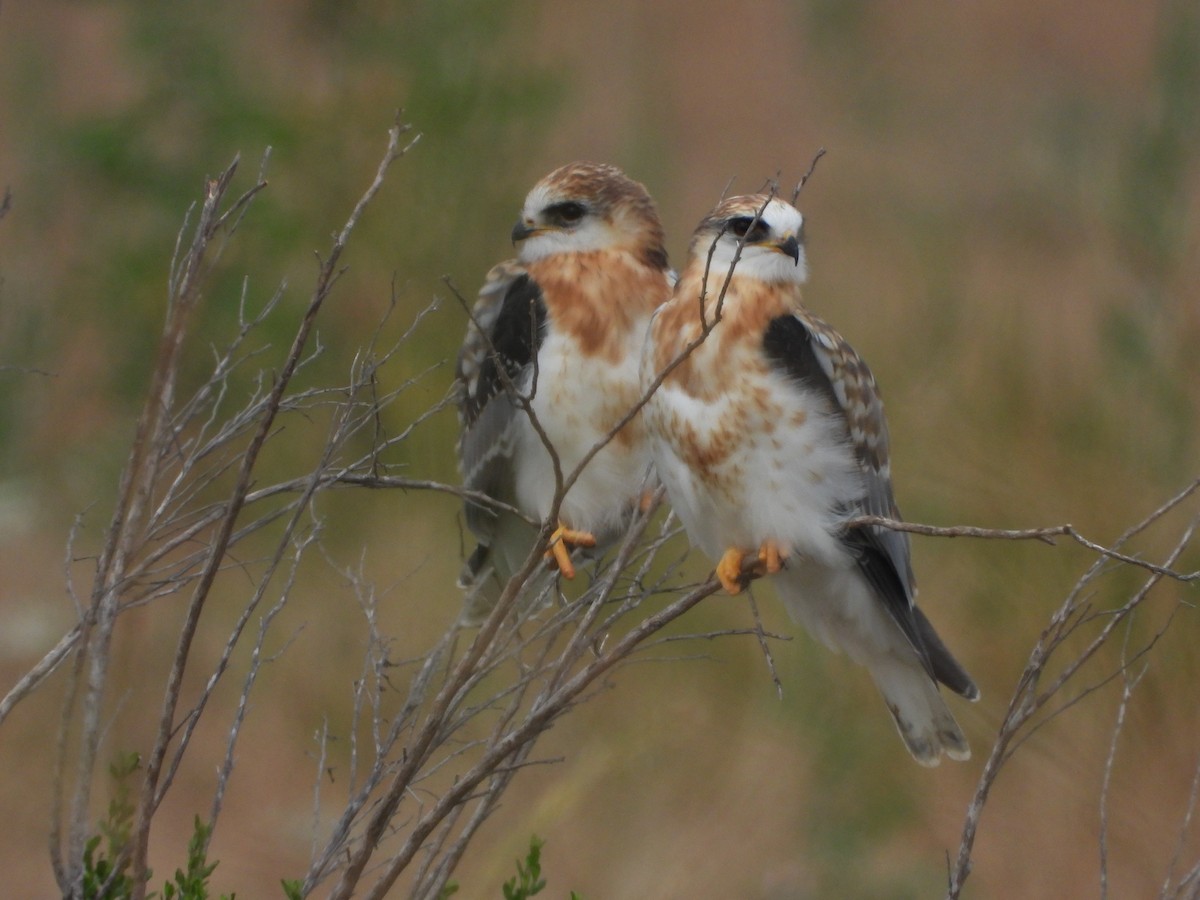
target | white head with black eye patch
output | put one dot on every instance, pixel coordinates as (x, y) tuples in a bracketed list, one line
[(769, 232)]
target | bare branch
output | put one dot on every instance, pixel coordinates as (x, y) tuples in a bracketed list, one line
[(434, 741), (1045, 535), (1029, 697), (1129, 682), (812, 167)]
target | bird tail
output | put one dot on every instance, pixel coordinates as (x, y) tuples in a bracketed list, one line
[(921, 715), (944, 666), (480, 584), (487, 571), (839, 608)]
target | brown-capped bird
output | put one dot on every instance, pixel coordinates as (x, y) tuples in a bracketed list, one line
[(563, 325), (769, 437)]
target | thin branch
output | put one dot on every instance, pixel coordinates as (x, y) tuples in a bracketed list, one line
[(1045, 535), (812, 167), (1027, 699), (129, 516), (1129, 682), (706, 328), (1180, 841), (326, 278), (762, 635)]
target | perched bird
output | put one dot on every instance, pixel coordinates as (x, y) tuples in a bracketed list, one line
[(558, 333), (768, 437)]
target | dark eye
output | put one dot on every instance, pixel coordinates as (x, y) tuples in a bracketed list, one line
[(566, 213), (740, 225), (747, 228)]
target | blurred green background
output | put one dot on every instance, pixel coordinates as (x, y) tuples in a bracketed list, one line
[(1006, 225)]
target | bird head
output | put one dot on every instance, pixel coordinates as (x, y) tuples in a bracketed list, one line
[(768, 232), (582, 207)]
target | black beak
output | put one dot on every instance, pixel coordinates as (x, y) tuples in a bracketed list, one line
[(791, 247), (521, 231)]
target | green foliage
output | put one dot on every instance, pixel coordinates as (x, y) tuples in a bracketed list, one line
[(293, 888), (192, 883), (528, 880), (118, 824), (105, 873), (101, 876)]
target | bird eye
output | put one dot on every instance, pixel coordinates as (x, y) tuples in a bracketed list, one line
[(740, 225), (748, 228), (567, 213)]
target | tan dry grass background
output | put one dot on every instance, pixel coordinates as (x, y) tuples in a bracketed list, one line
[(987, 228)]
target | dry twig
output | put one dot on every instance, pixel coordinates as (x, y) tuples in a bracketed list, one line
[(444, 744)]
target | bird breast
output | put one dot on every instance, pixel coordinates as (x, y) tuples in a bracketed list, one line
[(747, 453)]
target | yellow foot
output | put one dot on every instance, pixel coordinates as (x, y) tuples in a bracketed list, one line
[(562, 542), (770, 558), (733, 573), (729, 570)]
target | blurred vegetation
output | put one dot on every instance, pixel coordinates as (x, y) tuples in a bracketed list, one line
[(180, 90), (1152, 358), (1007, 226)]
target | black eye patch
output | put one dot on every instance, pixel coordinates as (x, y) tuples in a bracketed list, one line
[(568, 212), (748, 229)]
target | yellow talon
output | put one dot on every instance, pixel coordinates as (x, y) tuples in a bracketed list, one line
[(770, 557), (729, 570), (561, 543), (733, 573)]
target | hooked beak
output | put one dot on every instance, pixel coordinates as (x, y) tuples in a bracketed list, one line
[(790, 247), (521, 231)]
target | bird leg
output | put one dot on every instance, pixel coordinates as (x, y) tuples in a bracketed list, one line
[(734, 573), (562, 541)]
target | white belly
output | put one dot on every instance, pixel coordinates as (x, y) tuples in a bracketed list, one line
[(741, 470), (578, 400)]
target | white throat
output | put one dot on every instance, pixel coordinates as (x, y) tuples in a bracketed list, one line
[(590, 234), (762, 263)]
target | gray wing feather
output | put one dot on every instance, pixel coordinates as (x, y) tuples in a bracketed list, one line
[(497, 354), (857, 395), (811, 352)]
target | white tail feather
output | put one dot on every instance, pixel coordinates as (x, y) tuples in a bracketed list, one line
[(921, 715), (838, 607)]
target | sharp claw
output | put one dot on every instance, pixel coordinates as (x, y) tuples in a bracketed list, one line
[(733, 573), (729, 570), (770, 557), (562, 557), (561, 543), (576, 538)]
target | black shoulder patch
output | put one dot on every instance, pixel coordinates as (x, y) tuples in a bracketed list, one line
[(788, 345), (515, 339)]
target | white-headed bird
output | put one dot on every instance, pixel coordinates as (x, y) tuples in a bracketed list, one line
[(559, 330), (769, 437)]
